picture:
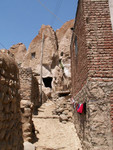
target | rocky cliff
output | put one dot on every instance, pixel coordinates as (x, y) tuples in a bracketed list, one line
[(56, 72), (61, 32), (19, 51), (50, 52), (64, 39)]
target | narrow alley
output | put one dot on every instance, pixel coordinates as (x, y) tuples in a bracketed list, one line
[(51, 133)]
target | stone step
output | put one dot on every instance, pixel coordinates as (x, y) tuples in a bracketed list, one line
[(45, 148), (46, 117)]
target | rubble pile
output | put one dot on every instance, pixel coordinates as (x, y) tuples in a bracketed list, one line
[(63, 109)]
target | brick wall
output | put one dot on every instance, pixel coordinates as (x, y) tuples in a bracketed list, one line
[(79, 61), (10, 118), (93, 66), (99, 38)]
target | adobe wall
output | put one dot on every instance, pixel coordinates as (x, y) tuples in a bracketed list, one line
[(10, 118), (29, 101), (95, 128)]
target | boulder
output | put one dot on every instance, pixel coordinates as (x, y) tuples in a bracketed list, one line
[(26, 104), (69, 115), (59, 110), (63, 118), (65, 112), (29, 146)]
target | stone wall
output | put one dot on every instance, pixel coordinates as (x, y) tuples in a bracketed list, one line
[(92, 73), (30, 100), (10, 119), (94, 126)]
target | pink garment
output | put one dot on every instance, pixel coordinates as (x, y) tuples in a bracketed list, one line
[(80, 109)]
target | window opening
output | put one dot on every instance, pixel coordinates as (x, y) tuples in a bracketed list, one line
[(61, 53), (33, 55), (72, 28), (76, 46), (47, 82)]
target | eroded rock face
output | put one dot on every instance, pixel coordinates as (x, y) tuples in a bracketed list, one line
[(19, 51), (56, 56), (50, 54), (61, 32), (62, 74), (64, 52), (57, 79)]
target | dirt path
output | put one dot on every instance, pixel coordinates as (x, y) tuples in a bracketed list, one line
[(54, 135)]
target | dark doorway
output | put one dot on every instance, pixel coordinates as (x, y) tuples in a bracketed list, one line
[(47, 82)]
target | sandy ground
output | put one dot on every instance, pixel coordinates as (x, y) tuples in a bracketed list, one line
[(53, 135)]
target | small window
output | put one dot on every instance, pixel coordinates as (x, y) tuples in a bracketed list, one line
[(61, 53), (59, 60), (72, 28), (33, 55), (76, 46)]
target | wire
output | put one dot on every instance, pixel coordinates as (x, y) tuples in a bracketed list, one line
[(50, 11), (58, 20), (53, 15), (57, 8), (2, 45)]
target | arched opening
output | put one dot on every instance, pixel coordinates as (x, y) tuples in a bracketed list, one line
[(47, 81)]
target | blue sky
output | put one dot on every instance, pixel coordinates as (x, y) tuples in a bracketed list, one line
[(20, 20)]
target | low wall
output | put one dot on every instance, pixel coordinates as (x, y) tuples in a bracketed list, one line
[(10, 118), (94, 126), (29, 101)]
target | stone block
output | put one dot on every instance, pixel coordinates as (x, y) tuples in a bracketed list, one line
[(29, 146), (63, 118)]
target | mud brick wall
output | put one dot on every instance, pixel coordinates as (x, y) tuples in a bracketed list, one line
[(10, 118), (95, 85), (29, 101)]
